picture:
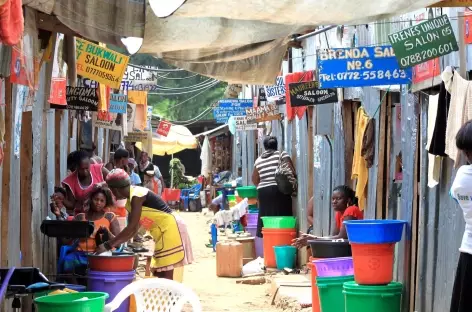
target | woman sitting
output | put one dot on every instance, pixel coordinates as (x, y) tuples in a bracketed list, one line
[(172, 242), (344, 203), (106, 227)]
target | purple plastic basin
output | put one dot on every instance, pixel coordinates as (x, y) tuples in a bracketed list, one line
[(332, 267), (252, 219), (259, 242), (111, 283)]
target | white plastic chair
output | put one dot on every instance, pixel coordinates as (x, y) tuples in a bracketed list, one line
[(157, 295)]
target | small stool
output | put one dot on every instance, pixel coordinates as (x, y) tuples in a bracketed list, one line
[(249, 248)]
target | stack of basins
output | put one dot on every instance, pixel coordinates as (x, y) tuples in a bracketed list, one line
[(250, 192), (373, 250), (279, 231), (110, 274), (331, 265)]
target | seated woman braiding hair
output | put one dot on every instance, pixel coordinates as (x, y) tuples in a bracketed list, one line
[(172, 242), (344, 203)]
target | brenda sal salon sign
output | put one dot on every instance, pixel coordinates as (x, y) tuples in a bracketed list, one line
[(308, 93), (424, 42), (360, 67), (99, 63)]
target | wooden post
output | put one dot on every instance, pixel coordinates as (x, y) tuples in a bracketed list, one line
[(57, 143), (310, 152), (348, 129), (381, 171), (6, 171), (26, 163)]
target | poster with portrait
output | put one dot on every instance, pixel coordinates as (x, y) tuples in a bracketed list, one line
[(130, 116), (108, 120)]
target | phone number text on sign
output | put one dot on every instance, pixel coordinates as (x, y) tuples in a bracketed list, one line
[(357, 67)]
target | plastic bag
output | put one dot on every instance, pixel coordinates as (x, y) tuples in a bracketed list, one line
[(253, 267)]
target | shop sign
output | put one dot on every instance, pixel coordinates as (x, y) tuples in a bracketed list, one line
[(309, 93), (360, 67), (276, 92), (262, 96), (452, 3), (263, 113), (230, 107), (423, 42), (108, 120), (135, 136), (100, 63), (243, 125), (118, 103), (164, 128), (79, 98)]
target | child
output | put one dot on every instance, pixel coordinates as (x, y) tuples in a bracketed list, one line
[(57, 203)]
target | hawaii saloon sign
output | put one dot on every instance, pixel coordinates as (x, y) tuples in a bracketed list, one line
[(423, 42)]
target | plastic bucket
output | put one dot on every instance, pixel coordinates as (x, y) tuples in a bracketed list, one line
[(72, 302), (315, 297), (374, 231), (330, 290), (332, 267), (275, 237), (111, 283), (279, 222), (285, 256), (247, 191), (386, 298), (252, 219), (252, 229), (373, 263)]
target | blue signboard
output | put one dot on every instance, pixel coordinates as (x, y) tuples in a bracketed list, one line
[(228, 108), (118, 103), (359, 67)]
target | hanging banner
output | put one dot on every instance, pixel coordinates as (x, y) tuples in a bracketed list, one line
[(360, 67), (24, 64), (164, 128), (263, 113), (309, 93), (108, 121), (118, 103), (100, 64), (276, 92), (57, 95), (229, 107), (79, 98), (468, 26), (424, 42), (452, 3), (243, 125)]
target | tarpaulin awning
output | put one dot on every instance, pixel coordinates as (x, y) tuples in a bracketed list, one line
[(178, 139), (239, 41)]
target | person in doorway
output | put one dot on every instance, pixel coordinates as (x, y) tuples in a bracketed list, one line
[(344, 203), (271, 201), (134, 177), (173, 247), (57, 203), (80, 183), (461, 192), (106, 227)]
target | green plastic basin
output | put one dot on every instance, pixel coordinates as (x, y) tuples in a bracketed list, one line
[(386, 298), (331, 294), (94, 302), (247, 191), (279, 222)]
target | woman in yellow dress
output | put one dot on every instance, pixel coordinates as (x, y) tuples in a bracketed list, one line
[(172, 243)]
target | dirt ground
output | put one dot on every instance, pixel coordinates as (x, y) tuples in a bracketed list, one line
[(218, 294)]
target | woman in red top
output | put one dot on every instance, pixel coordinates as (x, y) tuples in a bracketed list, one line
[(344, 203), (80, 183)]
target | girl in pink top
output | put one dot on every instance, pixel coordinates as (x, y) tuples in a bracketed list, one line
[(80, 183)]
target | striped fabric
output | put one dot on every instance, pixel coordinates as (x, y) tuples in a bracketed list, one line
[(266, 166)]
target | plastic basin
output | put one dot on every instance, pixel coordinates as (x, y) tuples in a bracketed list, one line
[(72, 302), (279, 222), (332, 267), (374, 231), (231, 198), (117, 263), (111, 283), (330, 291), (275, 237), (252, 229), (322, 248), (386, 298), (247, 191), (252, 218), (373, 263), (285, 256)]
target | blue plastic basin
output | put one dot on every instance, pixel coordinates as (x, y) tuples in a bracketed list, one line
[(374, 231)]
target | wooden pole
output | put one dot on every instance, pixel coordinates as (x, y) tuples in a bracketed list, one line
[(26, 173)]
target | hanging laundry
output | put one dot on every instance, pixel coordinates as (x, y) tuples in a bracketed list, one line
[(291, 78), (359, 165), (459, 112), (368, 144), (437, 144), (434, 162), (11, 21)]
